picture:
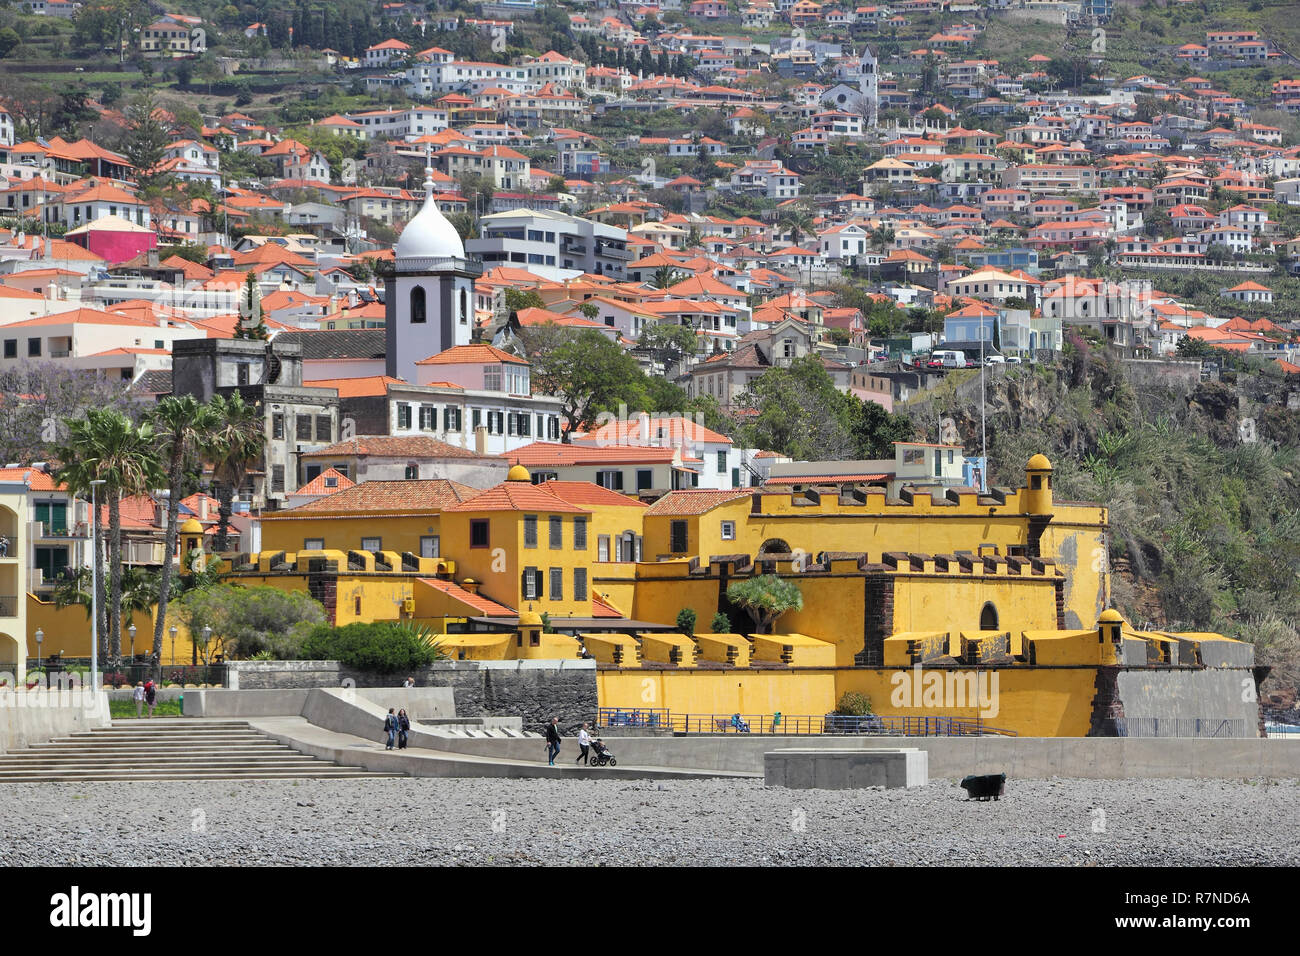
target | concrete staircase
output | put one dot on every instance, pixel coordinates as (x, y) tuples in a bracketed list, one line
[(169, 748)]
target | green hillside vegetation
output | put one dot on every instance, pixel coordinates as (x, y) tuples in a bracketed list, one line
[(1205, 527)]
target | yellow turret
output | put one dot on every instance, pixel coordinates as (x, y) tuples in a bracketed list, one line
[(1038, 485)]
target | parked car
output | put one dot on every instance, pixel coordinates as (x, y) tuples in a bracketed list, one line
[(949, 358), (994, 360)]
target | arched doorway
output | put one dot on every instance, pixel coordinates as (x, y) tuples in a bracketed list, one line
[(774, 546), (9, 651), (989, 617)]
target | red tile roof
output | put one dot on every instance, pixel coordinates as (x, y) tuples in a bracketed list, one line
[(392, 446), (484, 606), (418, 495)]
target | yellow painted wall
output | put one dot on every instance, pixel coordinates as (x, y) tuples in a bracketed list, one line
[(717, 692), (954, 602), (68, 631), (396, 531), (1042, 702)]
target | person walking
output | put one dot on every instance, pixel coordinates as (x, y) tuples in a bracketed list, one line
[(584, 744), (552, 740), (390, 728), (403, 728), (138, 697), (151, 695), (409, 682)]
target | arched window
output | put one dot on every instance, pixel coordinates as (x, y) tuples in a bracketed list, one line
[(418, 312), (464, 307), (989, 617)]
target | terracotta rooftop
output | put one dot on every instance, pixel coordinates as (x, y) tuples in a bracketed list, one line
[(394, 446), (421, 495)]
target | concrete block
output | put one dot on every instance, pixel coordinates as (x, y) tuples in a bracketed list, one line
[(835, 769)]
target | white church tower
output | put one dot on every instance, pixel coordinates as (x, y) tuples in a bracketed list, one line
[(869, 84), (429, 299)]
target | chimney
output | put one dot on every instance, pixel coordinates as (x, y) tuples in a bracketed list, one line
[(203, 507), (470, 585), (480, 439)]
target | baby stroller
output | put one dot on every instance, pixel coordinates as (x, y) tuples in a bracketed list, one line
[(602, 755)]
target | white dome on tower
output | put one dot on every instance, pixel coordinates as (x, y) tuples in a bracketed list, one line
[(429, 235)]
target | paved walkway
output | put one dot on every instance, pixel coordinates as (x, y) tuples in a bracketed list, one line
[(351, 751)]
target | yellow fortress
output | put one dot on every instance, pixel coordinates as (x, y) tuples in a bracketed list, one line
[(933, 601)]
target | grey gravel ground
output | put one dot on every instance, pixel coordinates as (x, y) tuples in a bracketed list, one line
[(561, 822)]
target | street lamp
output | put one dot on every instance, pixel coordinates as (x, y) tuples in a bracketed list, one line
[(94, 590), (40, 636), (207, 636), (173, 632)]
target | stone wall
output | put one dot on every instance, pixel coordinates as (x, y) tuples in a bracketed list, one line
[(1179, 375), (1212, 702), (533, 690)]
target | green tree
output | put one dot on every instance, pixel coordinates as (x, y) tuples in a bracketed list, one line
[(236, 443), (146, 139), (107, 446), (669, 342), (9, 40), (184, 426), (249, 621), (686, 621), (589, 374), (765, 599), (519, 299)]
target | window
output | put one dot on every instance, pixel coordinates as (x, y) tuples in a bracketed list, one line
[(644, 479), (478, 533), (302, 427), (11, 348), (722, 462), (530, 531), (33, 347), (277, 478), (430, 546), (428, 418), (580, 584), (532, 584), (556, 532), (728, 531), (277, 425), (989, 617), (557, 584), (492, 378), (451, 419), (579, 534), (602, 547), (324, 428), (372, 544), (412, 472), (418, 312), (464, 307), (678, 537), (313, 544), (613, 480), (403, 415)]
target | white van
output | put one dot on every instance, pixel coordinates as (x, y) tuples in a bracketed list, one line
[(949, 358)]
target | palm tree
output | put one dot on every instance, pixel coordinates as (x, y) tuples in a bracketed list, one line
[(184, 424), (106, 445), (72, 586), (237, 441), (665, 276), (139, 593)]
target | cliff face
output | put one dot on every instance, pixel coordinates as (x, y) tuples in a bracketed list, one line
[(1201, 479)]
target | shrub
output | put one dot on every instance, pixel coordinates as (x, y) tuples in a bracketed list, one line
[(686, 621), (853, 704), (382, 647), (721, 624)]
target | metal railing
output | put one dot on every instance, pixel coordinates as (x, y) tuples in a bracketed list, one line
[(1184, 727), (654, 718), (1285, 731), (799, 724)]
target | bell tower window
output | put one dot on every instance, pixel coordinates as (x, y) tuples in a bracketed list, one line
[(418, 311)]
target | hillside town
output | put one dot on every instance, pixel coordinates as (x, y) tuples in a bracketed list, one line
[(385, 261)]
